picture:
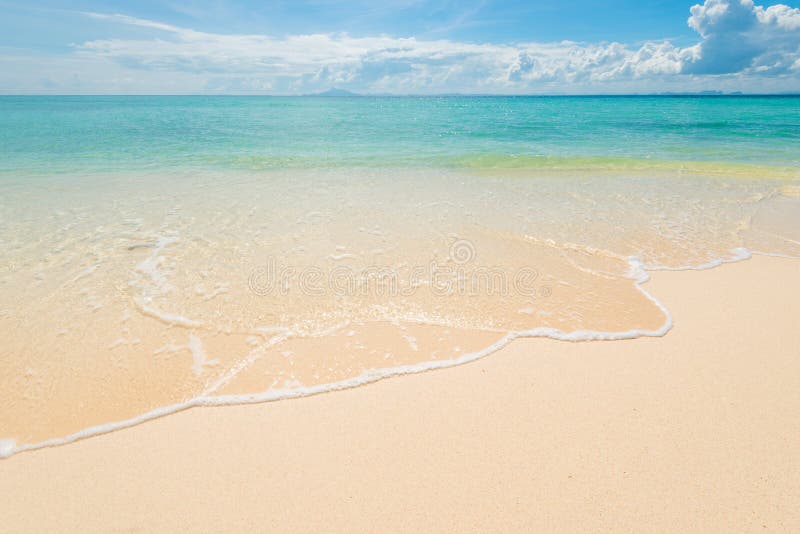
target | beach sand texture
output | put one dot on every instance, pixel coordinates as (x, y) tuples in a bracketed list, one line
[(695, 431)]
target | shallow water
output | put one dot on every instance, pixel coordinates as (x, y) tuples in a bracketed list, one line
[(167, 252)]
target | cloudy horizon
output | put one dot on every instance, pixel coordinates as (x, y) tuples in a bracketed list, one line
[(730, 46)]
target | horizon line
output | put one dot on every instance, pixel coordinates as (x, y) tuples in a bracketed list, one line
[(420, 95)]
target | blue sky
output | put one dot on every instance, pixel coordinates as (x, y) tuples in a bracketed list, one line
[(469, 20), (397, 46)]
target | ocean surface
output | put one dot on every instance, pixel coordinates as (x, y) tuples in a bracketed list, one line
[(166, 252), (92, 134)]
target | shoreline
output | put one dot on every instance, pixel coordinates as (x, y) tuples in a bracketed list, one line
[(689, 431), (128, 290), (639, 274)]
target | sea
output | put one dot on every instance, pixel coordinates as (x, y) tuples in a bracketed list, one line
[(166, 252)]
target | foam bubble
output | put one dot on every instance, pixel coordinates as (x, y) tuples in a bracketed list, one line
[(168, 318), (7, 447), (199, 357)]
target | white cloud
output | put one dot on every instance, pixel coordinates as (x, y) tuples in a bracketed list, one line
[(744, 43), (380, 63), (740, 36)]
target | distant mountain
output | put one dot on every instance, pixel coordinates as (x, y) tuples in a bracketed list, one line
[(334, 92), (700, 93)]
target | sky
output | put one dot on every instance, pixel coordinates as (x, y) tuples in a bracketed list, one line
[(397, 46)]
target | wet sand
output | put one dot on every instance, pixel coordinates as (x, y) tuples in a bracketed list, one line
[(695, 431)]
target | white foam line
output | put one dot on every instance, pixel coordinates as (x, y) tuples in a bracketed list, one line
[(168, 318), (739, 254), (638, 272), (775, 255), (149, 265), (7, 448), (251, 358)]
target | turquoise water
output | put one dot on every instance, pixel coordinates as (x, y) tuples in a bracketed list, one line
[(167, 252), (84, 133)]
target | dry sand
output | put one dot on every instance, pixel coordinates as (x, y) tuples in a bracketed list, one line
[(696, 431)]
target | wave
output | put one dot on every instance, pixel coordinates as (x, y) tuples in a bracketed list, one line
[(638, 272)]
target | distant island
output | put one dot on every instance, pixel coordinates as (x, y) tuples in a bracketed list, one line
[(334, 92)]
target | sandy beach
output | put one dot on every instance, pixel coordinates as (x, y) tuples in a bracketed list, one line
[(413, 266), (695, 431)]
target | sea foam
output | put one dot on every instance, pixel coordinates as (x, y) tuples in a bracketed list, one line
[(638, 274)]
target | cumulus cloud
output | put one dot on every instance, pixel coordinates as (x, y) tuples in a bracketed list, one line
[(739, 35)]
